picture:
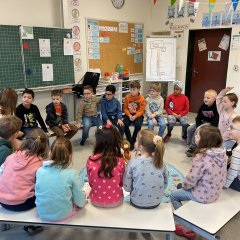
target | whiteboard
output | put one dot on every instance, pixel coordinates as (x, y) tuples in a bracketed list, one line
[(161, 59)]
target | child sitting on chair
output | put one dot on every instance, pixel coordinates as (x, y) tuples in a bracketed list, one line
[(87, 114), (57, 117), (154, 109), (177, 107), (146, 176), (134, 107)]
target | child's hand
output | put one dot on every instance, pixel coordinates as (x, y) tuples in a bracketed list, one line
[(132, 118), (152, 115), (66, 128), (48, 134), (120, 122), (78, 125), (109, 123), (229, 88), (154, 121)]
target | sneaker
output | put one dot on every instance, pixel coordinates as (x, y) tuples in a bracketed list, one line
[(179, 186), (82, 143), (33, 229), (166, 138), (189, 152)]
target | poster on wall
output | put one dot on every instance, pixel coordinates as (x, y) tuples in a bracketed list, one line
[(224, 44), (235, 42), (202, 45), (205, 20), (214, 56)]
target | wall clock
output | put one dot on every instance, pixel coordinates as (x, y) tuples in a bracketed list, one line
[(118, 3)]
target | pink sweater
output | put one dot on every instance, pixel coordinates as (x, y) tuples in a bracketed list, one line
[(225, 117), (207, 175), (105, 190), (18, 177)]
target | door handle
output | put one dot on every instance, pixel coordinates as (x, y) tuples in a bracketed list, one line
[(195, 71)]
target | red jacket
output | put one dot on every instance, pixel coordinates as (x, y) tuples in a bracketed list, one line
[(178, 104)]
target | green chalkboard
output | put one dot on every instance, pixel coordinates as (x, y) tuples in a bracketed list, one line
[(63, 70), (11, 68)]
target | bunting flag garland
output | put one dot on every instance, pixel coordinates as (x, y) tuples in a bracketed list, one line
[(181, 3), (235, 4), (192, 1), (211, 5), (154, 2), (173, 2)]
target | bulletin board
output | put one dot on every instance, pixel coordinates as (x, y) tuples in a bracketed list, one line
[(110, 43), (63, 69), (11, 68), (161, 59)]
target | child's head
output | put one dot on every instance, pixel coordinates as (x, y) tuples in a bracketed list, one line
[(234, 133), (61, 152), (87, 91), (208, 137), (27, 97), (35, 143), (229, 101), (134, 88), (108, 143), (178, 87), (9, 127), (154, 89), (56, 96), (110, 92), (152, 144), (210, 97), (8, 101)]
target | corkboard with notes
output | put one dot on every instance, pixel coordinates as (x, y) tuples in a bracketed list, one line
[(110, 43)]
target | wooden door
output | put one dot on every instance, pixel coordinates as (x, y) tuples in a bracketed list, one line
[(205, 74)]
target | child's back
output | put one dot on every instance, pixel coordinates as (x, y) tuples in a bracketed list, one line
[(58, 191)]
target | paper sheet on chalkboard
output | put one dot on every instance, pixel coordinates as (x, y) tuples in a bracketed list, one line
[(47, 72)]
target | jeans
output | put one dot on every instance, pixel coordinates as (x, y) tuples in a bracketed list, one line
[(235, 185), (181, 195), (137, 127), (183, 122), (87, 123), (161, 124)]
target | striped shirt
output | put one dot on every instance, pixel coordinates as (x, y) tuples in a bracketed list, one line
[(234, 169)]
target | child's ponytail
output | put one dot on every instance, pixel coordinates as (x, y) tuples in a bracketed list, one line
[(35, 143), (159, 152)]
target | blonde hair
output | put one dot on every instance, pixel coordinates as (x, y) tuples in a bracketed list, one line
[(156, 87), (61, 152), (35, 143), (212, 92), (145, 138)]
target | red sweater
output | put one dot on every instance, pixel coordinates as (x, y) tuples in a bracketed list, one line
[(178, 104)]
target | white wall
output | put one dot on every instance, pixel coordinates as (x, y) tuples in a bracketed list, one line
[(159, 17), (41, 13)]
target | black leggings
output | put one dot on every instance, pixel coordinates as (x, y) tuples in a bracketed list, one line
[(28, 204)]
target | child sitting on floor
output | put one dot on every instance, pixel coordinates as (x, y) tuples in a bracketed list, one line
[(226, 103), (154, 109), (55, 177), (146, 176), (18, 172), (105, 168)]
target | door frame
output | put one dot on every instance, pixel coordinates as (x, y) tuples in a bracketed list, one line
[(191, 41)]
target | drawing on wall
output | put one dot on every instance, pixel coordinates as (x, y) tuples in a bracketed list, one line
[(206, 20), (214, 56), (161, 59), (236, 18), (171, 12), (216, 18), (180, 12)]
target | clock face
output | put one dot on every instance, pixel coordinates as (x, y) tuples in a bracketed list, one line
[(118, 3)]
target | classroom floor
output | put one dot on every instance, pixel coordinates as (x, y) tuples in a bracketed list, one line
[(174, 154)]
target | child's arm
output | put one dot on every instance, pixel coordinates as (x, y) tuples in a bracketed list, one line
[(147, 110), (40, 120), (195, 173), (141, 110), (50, 121), (185, 110), (127, 178), (64, 114), (125, 106), (161, 106), (234, 168), (104, 112), (167, 108), (79, 114), (78, 195), (220, 97)]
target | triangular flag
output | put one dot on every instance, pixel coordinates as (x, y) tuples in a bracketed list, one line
[(235, 4), (181, 3), (211, 5), (173, 2), (154, 1), (192, 1)]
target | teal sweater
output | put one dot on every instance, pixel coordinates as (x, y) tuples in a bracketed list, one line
[(5, 150)]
